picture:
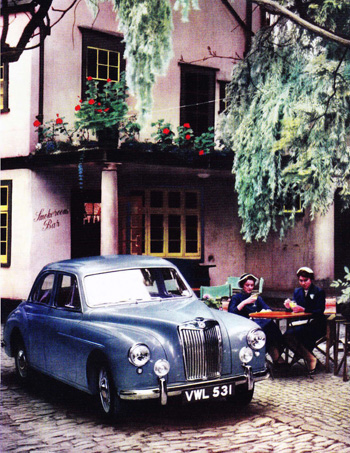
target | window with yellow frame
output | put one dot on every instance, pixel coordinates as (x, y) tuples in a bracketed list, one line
[(4, 69), (102, 55), (171, 223), (293, 205), (6, 207)]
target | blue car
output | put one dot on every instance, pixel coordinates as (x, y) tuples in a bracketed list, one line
[(130, 328)]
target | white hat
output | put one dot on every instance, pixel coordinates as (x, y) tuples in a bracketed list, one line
[(244, 277), (307, 270)]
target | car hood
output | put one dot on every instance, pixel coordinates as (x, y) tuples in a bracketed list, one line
[(167, 313), (160, 321)]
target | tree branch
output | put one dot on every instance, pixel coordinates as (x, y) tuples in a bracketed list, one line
[(276, 8)]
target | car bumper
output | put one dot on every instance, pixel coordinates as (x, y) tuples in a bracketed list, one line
[(162, 392)]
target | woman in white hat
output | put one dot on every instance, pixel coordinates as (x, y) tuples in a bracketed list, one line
[(245, 302), (310, 299)]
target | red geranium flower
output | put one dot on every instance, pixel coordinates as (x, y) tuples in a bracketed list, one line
[(89, 78), (36, 123), (77, 108), (109, 80), (187, 125), (106, 109), (59, 121), (166, 131), (99, 110), (201, 152), (188, 137), (91, 101)]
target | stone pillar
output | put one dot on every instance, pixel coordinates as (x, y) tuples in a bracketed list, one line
[(109, 210), (324, 245)]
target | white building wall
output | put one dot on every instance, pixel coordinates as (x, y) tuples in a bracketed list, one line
[(40, 228)]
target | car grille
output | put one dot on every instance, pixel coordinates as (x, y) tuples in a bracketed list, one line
[(202, 349)]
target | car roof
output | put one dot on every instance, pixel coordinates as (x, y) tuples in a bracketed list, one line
[(96, 264)]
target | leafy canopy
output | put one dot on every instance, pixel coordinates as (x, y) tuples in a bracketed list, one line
[(288, 121), (147, 26)]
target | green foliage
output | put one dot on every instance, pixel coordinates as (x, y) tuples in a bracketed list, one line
[(185, 136), (102, 110), (205, 142), (344, 285), (185, 139), (288, 123), (147, 26), (164, 135)]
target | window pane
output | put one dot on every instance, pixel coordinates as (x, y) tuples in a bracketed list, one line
[(114, 59), (157, 233), (102, 72), (102, 57), (156, 199), (114, 74), (191, 234), (174, 200), (174, 224), (3, 248), (4, 192), (91, 62), (191, 200)]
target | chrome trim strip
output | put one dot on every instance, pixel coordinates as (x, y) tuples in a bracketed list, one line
[(176, 390)]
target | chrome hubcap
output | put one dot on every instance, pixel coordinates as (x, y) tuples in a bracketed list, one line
[(22, 363), (104, 390)]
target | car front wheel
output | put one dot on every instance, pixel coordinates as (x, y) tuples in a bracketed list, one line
[(21, 362), (105, 391)]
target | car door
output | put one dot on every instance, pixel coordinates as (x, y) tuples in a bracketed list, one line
[(37, 309), (62, 344)]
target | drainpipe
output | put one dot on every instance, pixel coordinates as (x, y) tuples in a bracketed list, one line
[(248, 21), (40, 115)]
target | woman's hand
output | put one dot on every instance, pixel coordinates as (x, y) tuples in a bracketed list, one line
[(286, 303), (249, 300), (298, 309)]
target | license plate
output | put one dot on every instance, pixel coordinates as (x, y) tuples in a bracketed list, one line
[(211, 392)]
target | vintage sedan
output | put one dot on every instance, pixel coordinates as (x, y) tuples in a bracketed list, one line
[(130, 328)]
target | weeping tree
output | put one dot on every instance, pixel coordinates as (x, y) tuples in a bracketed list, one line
[(288, 120)]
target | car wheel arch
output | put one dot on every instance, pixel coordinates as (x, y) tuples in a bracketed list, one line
[(95, 360), (16, 338)]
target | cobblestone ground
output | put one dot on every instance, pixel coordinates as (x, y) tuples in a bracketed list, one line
[(290, 413)]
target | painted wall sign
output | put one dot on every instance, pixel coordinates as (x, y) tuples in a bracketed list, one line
[(49, 217)]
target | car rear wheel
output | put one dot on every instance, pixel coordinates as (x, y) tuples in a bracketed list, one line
[(21, 362)]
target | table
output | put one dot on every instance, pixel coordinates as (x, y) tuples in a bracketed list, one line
[(282, 315)]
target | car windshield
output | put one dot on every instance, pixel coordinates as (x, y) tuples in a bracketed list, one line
[(134, 285)]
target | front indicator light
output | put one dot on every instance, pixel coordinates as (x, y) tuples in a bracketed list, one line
[(139, 355), (161, 367)]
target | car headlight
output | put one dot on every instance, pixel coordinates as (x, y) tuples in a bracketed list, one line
[(139, 354), (161, 367), (256, 338), (245, 354)]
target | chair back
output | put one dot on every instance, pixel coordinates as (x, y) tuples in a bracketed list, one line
[(216, 292)]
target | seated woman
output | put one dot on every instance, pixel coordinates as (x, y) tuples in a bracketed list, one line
[(245, 302), (310, 299)]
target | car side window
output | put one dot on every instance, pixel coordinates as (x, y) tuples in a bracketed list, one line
[(67, 295), (43, 290)]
